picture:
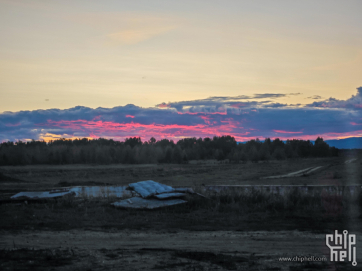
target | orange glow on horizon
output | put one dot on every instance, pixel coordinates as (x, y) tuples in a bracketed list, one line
[(111, 130)]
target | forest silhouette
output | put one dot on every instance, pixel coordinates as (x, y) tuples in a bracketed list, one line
[(134, 151)]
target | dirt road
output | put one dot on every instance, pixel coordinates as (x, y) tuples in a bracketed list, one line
[(299, 173)]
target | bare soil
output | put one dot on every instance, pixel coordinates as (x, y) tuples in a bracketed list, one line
[(165, 250)]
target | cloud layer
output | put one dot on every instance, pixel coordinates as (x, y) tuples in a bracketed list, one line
[(355, 102), (244, 117)]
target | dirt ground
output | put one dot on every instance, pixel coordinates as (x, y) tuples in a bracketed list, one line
[(181, 250), (72, 235)]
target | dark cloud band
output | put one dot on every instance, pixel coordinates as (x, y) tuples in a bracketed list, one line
[(200, 118)]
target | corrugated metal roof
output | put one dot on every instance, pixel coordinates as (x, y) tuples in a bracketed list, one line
[(150, 188), (170, 195), (143, 189)]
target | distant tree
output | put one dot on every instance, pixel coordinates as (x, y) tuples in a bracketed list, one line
[(128, 156), (177, 155), (133, 141), (168, 155), (252, 144), (267, 142), (152, 141), (253, 154), (289, 151), (163, 143), (105, 151), (321, 148), (220, 155), (243, 156), (334, 151), (275, 144), (279, 154), (264, 151)]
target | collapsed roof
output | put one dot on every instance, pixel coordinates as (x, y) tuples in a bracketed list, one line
[(146, 194)]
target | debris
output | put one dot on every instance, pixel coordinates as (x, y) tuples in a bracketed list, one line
[(141, 203), (163, 195), (170, 195), (80, 191), (101, 191), (59, 190), (150, 188), (40, 195), (135, 194)]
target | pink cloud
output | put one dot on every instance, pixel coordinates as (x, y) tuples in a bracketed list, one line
[(163, 105), (97, 118), (206, 119), (191, 119), (119, 131), (113, 129)]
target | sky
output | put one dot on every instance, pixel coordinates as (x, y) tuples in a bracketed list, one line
[(175, 69)]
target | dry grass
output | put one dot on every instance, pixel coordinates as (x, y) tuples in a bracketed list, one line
[(236, 201), (44, 177)]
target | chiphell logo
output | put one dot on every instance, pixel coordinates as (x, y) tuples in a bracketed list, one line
[(343, 247)]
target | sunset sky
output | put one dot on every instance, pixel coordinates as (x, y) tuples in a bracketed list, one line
[(174, 69)]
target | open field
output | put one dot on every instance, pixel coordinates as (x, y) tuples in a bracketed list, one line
[(229, 230), (332, 171)]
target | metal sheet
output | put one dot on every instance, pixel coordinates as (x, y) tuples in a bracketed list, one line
[(144, 189), (40, 195), (101, 191), (170, 195), (80, 191), (150, 188), (141, 203)]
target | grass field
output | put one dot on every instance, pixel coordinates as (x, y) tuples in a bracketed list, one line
[(196, 173), (228, 230)]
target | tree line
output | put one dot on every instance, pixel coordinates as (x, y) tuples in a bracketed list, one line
[(134, 151)]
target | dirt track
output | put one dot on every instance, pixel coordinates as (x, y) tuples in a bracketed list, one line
[(299, 173)]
